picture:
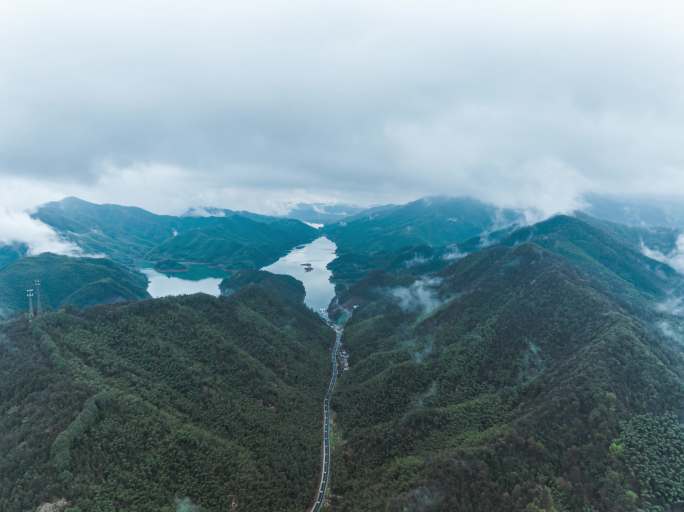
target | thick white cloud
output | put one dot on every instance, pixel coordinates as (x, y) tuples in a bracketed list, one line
[(19, 227), (17, 198), (255, 104)]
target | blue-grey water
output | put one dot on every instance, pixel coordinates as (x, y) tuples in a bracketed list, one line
[(319, 290), (161, 285)]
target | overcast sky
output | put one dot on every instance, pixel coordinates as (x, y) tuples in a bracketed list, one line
[(253, 104)]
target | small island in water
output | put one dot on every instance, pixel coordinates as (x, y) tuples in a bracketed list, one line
[(170, 266)]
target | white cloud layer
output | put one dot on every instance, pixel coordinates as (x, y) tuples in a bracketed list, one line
[(19, 227), (17, 197), (256, 104), (675, 258)]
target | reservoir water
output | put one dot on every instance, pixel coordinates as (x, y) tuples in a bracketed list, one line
[(308, 264), (162, 285)]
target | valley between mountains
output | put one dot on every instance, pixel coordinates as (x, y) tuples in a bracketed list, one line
[(477, 361)]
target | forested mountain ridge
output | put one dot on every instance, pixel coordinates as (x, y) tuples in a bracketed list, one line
[(121, 232), (493, 367), (11, 252), (285, 285), (514, 379), (232, 242), (615, 251), (68, 281), (432, 221), (422, 235), (132, 235), (133, 407)]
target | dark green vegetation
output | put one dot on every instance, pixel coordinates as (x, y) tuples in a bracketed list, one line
[(10, 253), (653, 448), (232, 242), (662, 239), (432, 221), (132, 407), (420, 236), (68, 281), (531, 375), (610, 262), (170, 267), (356, 275), (286, 286), (493, 368), (123, 233), (134, 236)]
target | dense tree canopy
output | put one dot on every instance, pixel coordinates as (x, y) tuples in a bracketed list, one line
[(132, 407)]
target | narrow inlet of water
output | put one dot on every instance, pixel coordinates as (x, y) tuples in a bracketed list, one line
[(308, 264)]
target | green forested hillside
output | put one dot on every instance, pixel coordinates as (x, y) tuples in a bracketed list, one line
[(232, 242), (64, 280), (123, 233), (214, 402), (432, 221), (417, 237), (10, 253), (132, 236), (592, 248), (659, 238), (512, 380), (286, 286), (532, 369)]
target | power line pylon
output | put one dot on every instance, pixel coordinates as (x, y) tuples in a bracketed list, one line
[(29, 294), (39, 303)]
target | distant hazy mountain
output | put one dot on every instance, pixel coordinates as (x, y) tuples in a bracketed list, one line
[(132, 235), (320, 213), (637, 211), (11, 252), (123, 233), (223, 212), (207, 212), (402, 235), (68, 281), (433, 221)]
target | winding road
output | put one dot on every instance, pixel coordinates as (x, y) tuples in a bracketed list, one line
[(327, 425)]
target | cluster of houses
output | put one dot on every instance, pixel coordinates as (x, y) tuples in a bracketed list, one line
[(344, 360)]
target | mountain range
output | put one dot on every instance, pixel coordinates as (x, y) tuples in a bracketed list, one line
[(494, 364), (536, 374), (133, 236)]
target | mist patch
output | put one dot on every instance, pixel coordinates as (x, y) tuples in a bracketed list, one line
[(421, 296)]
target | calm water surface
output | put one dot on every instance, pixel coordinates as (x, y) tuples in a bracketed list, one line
[(319, 290), (315, 255), (164, 286)]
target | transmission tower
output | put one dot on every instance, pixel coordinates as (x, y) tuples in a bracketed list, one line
[(29, 294), (39, 303)]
